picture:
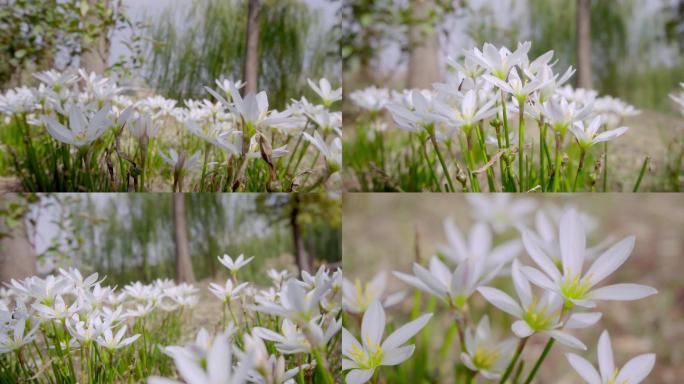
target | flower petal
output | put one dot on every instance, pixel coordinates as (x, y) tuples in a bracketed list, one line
[(373, 325), (397, 355), (636, 370), (567, 339), (605, 356), (404, 333), (610, 260), (584, 368), (359, 376), (572, 243), (622, 292), (501, 300)]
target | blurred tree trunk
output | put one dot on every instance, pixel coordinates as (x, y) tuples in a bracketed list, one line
[(17, 256), (95, 55), (583, 37), (184, 271), (423, 66), (301, 257), (252, 48)]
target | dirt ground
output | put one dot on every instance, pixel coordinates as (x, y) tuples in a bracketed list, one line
[(379, 232)]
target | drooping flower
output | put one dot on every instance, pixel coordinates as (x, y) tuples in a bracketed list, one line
[(634, 372), (363, 358), (576, 287)]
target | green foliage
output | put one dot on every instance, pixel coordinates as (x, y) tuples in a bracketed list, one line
[(291, 48)]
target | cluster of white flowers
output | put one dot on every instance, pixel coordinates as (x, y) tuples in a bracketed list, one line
[(82, 109), (300, 319), (88, 311), (556, 242)]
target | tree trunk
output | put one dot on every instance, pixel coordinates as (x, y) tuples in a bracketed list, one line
[(252, 48), (95, 55), (17, 256), (423, 66), (301, 257), (583, 45), (183, 264)]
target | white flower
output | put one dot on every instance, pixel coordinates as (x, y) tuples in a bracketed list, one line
[(634, 372), (56, 79), (418, 114), (140, 310), (234, 266), (296, 303), (292, 339), (561, 114), (454, 288), (570, 282), (88, 330), (179, 162), (57, 310), (227, 86), (80, 131), (18, 100), (372, 98), (218, 368), (500, 210), (325, 91), (227, 292), (587, 135), (278, 277), (18, 338), (479, 245), (143, 126), (537, 315), (361, 359), (515, 86), (483, 354), (499, 61), (470, 112), (110, 341), (332, 152), (356, 297)]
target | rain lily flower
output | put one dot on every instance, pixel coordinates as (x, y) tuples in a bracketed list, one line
[(295, 302), (110, 341), (217, 370), (363, 358), (537, 315), (227, 86), (234, 266), (483, 354), (470, 112), (332, 152), (55, 79), (292, 339), (227, 292), (587, 135), (372, 98), (576, 287), (325, 91), (356, 297), (420, 114), (178, 161), (19, 337), (498, 61), (80, 132), (501, 211), (454, 288), (561, 114), (634, 372), (57, 310), (515, 86), (479, 245)]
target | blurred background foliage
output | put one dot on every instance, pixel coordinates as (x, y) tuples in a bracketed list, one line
[(636, 45), (293, 46), (129, 237)]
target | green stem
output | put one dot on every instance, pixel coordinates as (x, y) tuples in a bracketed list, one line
[(541, 359), (542, 144), (322, 366), (483, 146), (605, 166), (521, 143), (583, 153), (441, 160), (556, 169), (474, 184), (514, 360), (505, 119), (641, 174)]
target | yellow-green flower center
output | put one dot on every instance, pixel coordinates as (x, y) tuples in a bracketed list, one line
[(538, 317), (574, 287), (364, 296), (367, 359), (484, 358)]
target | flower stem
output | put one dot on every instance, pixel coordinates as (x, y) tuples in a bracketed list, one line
[(474, 184), (641, 174), (521, 144), (556, 169), (483, 146), (583, 153), (429, 164), (541, 359), (605, 166), (433, 139), (542, 144), (514, 360)]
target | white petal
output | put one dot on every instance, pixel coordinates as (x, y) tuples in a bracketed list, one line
[(572, 243), (535, 251), (582, 320), (539, 279), (636, 370), (610, 260), (397, 355), (567, 339), (407, 331), (359, 376), (622, 292), (605, 356), (373, 325), (584, 368), (521, 329), (501, 300), (480, 239), (521, 284)]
